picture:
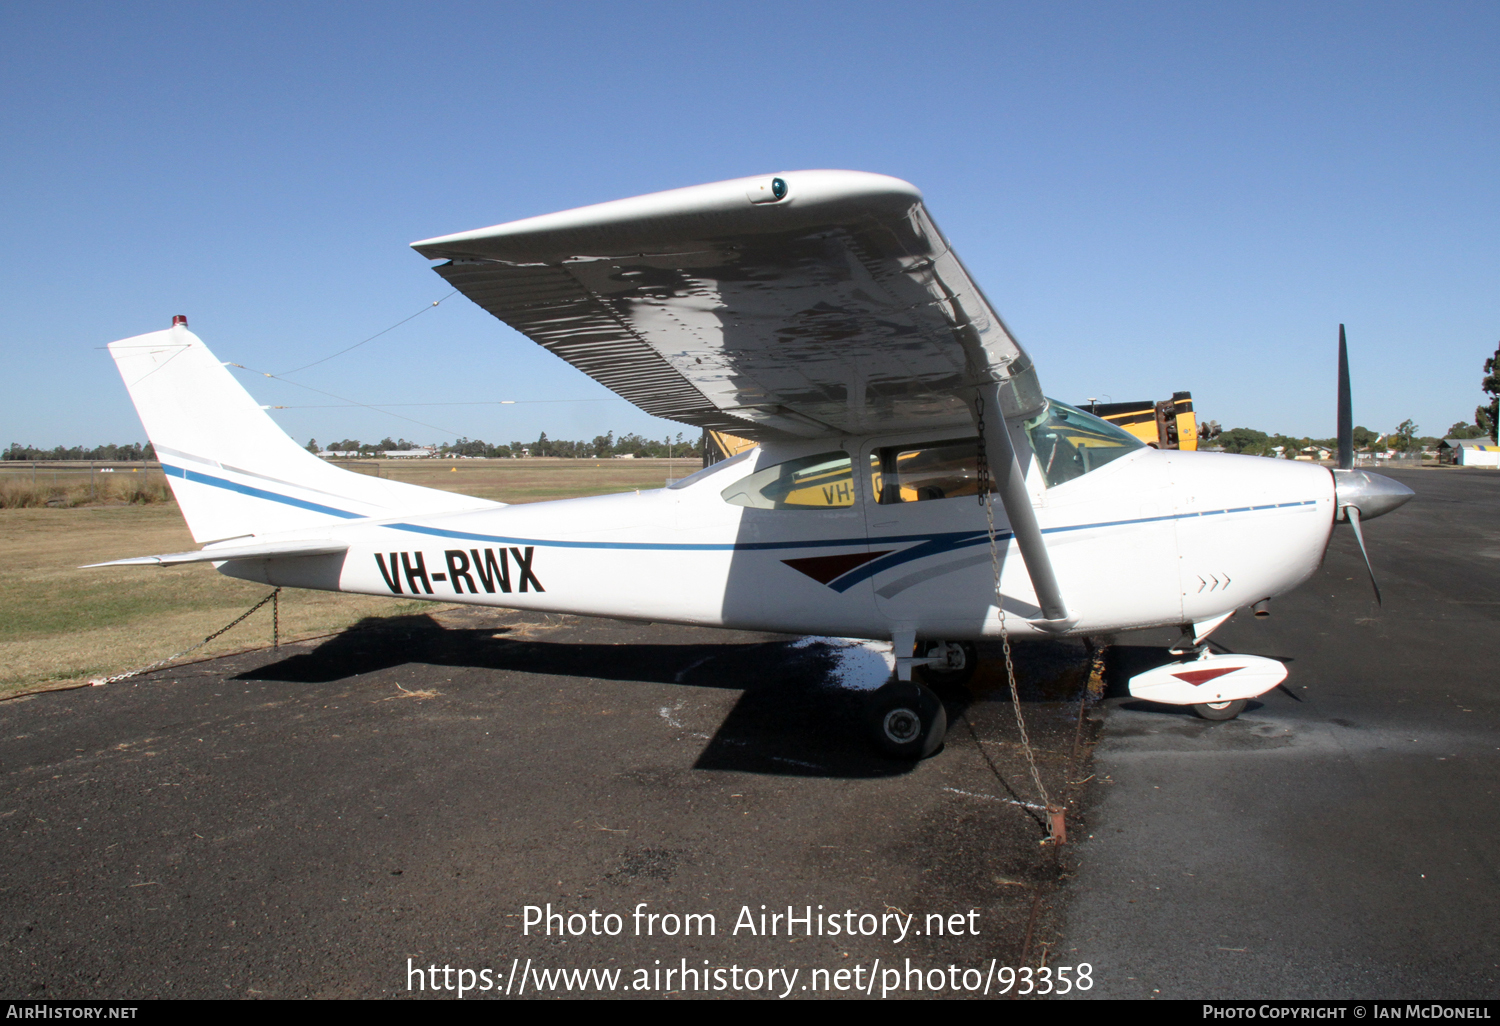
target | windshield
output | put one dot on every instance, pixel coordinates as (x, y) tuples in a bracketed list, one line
[(1069, 443)]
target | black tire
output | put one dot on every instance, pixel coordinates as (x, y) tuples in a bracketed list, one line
[(1220, 710), (949, 678), (907, 721)]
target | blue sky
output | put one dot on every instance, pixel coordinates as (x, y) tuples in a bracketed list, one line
[(1156, 196)]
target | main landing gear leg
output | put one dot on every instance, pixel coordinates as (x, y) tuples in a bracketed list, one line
[(950, 664), (907, 718)]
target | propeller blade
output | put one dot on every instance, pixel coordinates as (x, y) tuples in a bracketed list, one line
[(1346, 414), (1352, 513)]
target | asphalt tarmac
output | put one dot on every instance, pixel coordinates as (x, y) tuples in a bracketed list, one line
[(1340, 840), (345, 817)]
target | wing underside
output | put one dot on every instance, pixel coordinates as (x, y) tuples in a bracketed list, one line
[(838, 308)]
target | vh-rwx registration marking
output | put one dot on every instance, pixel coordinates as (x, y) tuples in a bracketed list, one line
[(488, 569)]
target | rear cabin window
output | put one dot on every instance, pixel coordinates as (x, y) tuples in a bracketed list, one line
[(824, 481)]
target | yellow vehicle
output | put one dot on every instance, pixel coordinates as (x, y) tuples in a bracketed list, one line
[(720, 445), (1169, 424)]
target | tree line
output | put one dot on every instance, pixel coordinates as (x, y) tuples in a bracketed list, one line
[(1251, 442), (605, 446), (133, 453)]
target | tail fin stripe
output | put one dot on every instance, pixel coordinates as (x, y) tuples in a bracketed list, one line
[(258, 493), (163, 450)]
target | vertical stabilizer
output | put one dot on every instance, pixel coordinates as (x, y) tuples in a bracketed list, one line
[(233, 471)]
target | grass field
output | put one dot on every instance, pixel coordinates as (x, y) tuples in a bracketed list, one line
[(25, 485), (534, 480), (60, 625)]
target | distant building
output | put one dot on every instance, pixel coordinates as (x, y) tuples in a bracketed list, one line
[(1469, 452), (410, 454)]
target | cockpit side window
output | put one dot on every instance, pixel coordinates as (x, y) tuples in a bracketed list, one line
[(1069, 443), (824, 481)]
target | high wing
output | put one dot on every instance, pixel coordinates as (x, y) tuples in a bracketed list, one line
[(806, 304)]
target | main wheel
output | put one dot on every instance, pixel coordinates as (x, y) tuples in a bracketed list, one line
[(1220, 710), (962, 660), (907, 720)]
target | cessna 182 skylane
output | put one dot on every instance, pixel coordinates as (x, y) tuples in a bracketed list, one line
[(824, 315)]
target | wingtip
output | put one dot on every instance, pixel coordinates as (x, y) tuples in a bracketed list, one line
[(519, 239)]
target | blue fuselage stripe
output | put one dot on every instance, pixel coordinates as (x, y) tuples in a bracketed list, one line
[(936, 545), (927, 544)]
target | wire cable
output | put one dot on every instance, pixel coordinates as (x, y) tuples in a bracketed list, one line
[(373, 337), (342, 398)]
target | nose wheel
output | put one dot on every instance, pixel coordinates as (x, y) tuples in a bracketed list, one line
[(1220, 710), (907, 720)]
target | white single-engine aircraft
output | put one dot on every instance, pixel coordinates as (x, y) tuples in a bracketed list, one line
[(824, 315)]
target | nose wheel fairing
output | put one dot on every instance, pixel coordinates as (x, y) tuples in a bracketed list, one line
[(1213, 681)]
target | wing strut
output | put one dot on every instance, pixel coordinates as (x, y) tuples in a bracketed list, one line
[(1010, 482)]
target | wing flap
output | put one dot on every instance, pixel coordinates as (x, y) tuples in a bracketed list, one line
[(551, 307)]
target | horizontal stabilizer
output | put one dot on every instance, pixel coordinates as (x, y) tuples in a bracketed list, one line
[(220, 553)]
